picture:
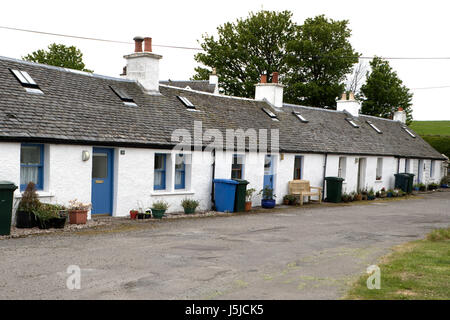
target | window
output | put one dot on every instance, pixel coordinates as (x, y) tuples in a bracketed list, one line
[(300, 117), (272, 115), (409, 132), (99, 165), (342, 167), (374, 127), (160, 172), (188, 104), (298, 172), (127, 100), (180, 171), (352, 122), (26, 81), (407, 165), (432, 169), (379, 173), (237, 166), (32, 165)]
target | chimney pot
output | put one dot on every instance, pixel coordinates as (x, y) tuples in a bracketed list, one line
[(400, 109), (148, 44), (275, 77), (352, 96), (264, 78), (138, 44), (344, 96)]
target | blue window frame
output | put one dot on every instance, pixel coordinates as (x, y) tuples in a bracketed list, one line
[(32, 165), (180, 171), (160, 172)]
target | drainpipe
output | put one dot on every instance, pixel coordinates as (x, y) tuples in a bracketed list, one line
[(213, 201), (398, 165), (324, 174)]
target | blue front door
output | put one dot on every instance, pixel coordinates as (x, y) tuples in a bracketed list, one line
[(268, 171), (102, 180)]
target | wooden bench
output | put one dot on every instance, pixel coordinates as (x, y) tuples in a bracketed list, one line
[(301, 188)]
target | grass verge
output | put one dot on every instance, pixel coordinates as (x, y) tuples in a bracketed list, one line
[(415, 270)]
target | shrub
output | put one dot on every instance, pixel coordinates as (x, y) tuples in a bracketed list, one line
[(439, 234), (30, 201), (267, 193), (160, 205), (249, 194), (77, 205), (190, 204), (47, 211)]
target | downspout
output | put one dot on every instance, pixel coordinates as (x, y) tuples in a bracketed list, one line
[(324, 174), (213, 201), (398, 165)]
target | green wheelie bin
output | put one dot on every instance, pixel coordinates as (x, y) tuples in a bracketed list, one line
[(334, 189), (402, 181), (410, 182), (6, 203), (241, 188)]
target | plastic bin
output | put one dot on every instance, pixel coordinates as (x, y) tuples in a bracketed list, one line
[(410, 182), (225, 194), (6, 202), (239, 201), (401, 181), (334, 189)]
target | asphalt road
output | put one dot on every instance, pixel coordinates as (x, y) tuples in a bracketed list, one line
[(313, 252)]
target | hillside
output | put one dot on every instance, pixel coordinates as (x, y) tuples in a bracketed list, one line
[(436, 133)]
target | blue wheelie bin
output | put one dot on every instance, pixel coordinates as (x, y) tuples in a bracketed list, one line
[(225, 194)]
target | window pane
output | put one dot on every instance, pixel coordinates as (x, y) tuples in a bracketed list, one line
[(179, 178), (159, 162), (29, 174), (158, 178), (268, 165), (179, 162), (297, 168), (100, 166), (30, 155)]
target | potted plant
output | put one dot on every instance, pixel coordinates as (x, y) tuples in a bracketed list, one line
[(45, 213), (286, 199), (59, 221), (189, 205), (383, 193), (358, 197), (345, 197), (371, 195), (78, 212), (268, 200), (25, 217), (422, 187), (133, 214), (364, 194), (248, 198), (159, 208), (390, 193)]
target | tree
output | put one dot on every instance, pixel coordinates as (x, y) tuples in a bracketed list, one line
[(356, 79), (318, 60), (59, 55), (384, 92), (246, 49)]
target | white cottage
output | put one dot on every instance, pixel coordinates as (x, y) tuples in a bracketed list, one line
[(114, 141)]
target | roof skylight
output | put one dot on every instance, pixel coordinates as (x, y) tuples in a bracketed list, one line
[(374, 127), (409, 132), (352, 122), (26, 81), (127, 100), (299, 116), (272, 115), (186, 102)]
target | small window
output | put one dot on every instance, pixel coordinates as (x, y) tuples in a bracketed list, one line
[(379, 173), (342, 168), (409, 132), (407, 165), (26, 81), (237, 167), (352, 122), (374, 127), (180, 171), (300, 117), (32, 165), (298, 172), (160, 172), (272, 115), (127, 100), (432, 169), (188, 104)]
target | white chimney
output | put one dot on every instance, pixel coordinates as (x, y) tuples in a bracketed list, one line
[(351, 105), (214, 79), (400, 115), (143, 66), (272, 92)]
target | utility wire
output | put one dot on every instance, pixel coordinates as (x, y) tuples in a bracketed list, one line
[(426, 88)]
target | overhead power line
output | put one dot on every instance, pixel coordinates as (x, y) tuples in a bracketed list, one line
[(426, 88)]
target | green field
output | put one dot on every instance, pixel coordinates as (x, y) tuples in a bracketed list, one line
[(431, 128)]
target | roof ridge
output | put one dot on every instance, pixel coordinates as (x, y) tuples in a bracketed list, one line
[(62, 69)]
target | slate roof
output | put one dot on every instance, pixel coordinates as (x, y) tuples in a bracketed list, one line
[(81, 108), (198, 85)]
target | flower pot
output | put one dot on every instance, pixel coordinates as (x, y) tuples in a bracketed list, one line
[(25, 219), (133, 214), (390, 194), (158, 214), (268, 203), (358, 197), (58, 223), (248, 206), (286, 202), (44, 224), (370, 197), (141, 215), (77, 216), (189, 210)]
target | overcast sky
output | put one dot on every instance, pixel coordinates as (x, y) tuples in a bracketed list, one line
[(384, 28)]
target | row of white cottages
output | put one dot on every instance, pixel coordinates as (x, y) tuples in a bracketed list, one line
[(110, 141)]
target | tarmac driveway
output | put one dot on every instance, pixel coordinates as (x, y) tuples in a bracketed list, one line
[(312, 252)]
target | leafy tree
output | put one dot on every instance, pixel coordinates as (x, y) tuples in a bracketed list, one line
[(384, 92), (246, 49), (59, 55), (318, 60)]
